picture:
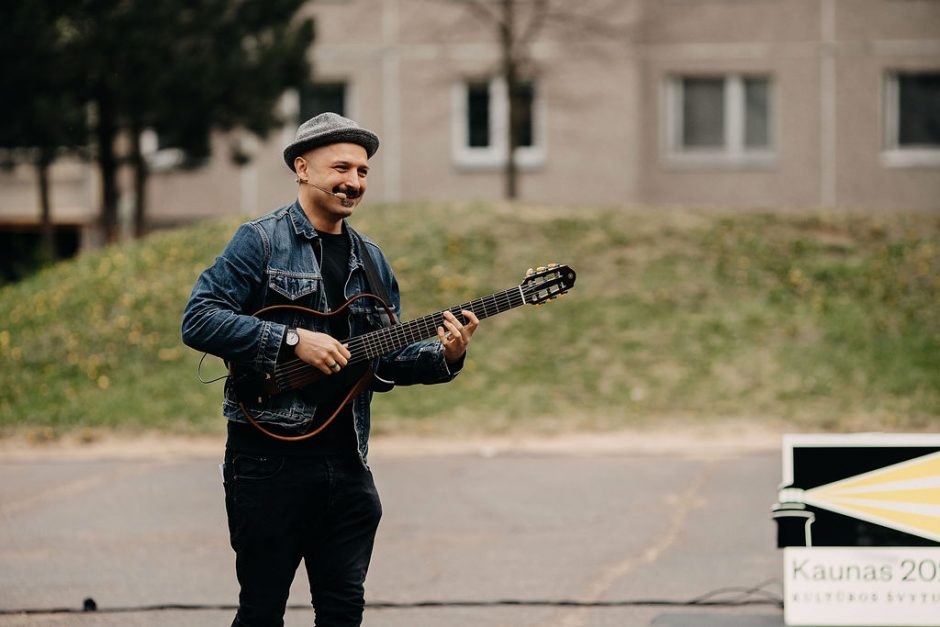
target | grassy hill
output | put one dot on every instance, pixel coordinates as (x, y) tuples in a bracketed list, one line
[(823, 320)]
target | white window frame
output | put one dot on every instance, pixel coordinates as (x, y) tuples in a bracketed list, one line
[(893, 155), (347, 90), (733, 152), (159, 159), (494, 156)]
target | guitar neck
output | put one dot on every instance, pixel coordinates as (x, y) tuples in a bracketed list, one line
[(538, 287), (383, 341)]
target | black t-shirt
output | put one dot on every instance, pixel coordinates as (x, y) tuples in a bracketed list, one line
[(334, 266)]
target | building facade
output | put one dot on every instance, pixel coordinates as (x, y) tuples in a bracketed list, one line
[(770, 104)]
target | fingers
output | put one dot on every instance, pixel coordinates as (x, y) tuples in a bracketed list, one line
[(322, 351), (472, 320), (458, 329), (331, 361), (454, 335), (452, 331)]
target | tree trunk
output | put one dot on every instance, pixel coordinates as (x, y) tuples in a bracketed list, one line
[(47, 229), (105, 130), (510, 73)]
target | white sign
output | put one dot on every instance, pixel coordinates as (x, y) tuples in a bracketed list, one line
[(855, 586)]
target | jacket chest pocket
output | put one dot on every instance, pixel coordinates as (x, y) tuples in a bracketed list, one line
[(295, 287)]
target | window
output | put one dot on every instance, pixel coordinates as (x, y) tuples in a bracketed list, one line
[(317, 98), (703, 113), (478, 115), (719, 119), (481, 119), (912, 119)]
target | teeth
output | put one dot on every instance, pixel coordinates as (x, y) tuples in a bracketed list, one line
[(340, 195)]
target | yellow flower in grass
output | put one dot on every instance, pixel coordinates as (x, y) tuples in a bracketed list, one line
[(168, 354)]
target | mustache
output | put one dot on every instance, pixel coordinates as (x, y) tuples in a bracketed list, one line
[(350, 193)]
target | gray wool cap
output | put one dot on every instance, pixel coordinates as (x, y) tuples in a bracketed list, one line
[(329, 128)]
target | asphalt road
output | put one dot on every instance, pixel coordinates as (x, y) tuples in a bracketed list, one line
[(488, 537)]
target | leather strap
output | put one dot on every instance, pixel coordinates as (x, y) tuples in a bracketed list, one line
[(375, 284)]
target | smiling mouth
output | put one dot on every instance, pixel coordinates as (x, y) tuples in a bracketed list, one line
[(346, 196)]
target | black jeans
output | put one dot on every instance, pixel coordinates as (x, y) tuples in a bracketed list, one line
[(281, 509)]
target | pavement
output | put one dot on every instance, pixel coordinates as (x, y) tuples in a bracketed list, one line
[(571, 531)]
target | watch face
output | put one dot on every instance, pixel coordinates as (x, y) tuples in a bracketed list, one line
[(292, 337)]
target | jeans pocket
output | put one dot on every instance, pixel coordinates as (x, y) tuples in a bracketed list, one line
[(256, 468)]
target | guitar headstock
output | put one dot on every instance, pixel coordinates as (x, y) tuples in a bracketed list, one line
[(547, 283)]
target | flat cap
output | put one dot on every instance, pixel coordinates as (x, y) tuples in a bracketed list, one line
[(329, 128)]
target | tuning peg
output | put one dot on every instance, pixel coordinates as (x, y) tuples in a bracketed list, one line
[(529, 272), (541, 268), (553, 265)]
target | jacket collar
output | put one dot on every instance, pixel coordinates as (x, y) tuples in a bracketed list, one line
[(300, 221), (303, 227)]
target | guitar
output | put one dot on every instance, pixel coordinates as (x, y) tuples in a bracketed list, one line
[(254, 388)]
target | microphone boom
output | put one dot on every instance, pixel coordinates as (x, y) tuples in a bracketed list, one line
[(339, 195)]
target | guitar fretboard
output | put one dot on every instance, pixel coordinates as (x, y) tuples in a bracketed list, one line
[(294, 373), (383, 341)]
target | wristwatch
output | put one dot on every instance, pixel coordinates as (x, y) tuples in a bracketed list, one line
[(291, 338)]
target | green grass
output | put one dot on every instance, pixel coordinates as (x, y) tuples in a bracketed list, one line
[(819, 320)]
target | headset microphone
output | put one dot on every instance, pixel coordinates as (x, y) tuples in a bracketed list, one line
[(339, 195)]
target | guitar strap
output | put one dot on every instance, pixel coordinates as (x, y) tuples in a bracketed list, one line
[(374, 283)]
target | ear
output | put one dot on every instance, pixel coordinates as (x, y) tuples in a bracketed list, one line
[(300, 167)]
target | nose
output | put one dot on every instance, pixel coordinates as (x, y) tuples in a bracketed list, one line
[(352, 183)]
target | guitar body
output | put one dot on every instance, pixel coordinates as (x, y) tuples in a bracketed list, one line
[(253, 389)]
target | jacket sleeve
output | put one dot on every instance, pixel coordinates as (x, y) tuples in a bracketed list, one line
[(421, 362), (217, 319)]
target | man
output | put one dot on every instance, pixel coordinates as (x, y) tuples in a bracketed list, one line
[(312, 499)]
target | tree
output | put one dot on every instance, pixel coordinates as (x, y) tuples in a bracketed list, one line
[(40, 111), (184, 69), (516, 24), (515, 33)]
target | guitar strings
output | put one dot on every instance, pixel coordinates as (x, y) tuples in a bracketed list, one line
[(424, 327), (296, 372)]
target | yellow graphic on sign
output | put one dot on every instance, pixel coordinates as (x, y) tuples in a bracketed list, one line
[(903, 496)]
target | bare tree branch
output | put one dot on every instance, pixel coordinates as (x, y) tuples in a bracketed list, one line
[(536, 22), (517, 24), (483, 11)]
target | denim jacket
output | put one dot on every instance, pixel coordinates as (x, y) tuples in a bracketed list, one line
[(271, 261)]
